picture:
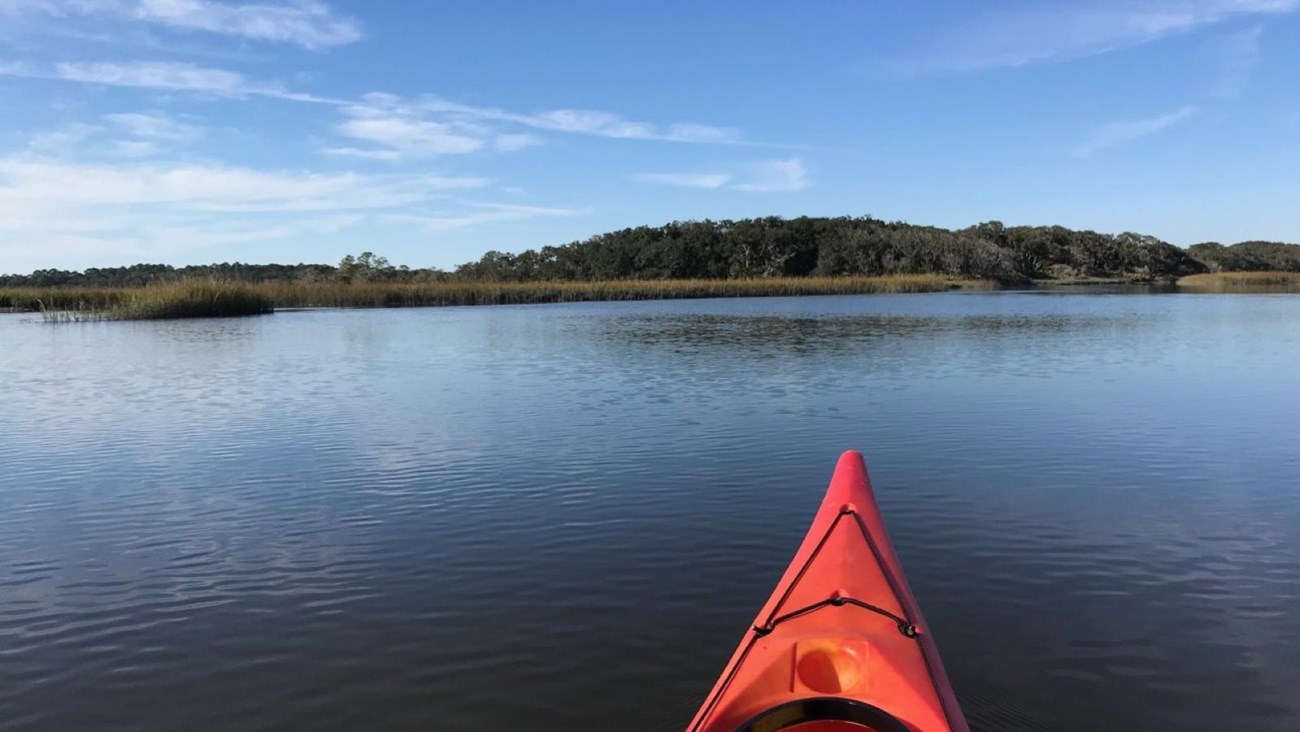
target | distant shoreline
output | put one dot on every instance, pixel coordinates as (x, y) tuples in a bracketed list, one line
[(209, 298)]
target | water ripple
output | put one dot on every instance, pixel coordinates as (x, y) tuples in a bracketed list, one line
[(461, 518)]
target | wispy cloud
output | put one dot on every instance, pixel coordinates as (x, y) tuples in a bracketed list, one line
[(161, 76), (1048, 32), (687, 180), (398, 133), (210, 188), (401, 128), (764, 176), (587, 122), (153, 211), (1237, 55), (154, 75), (171, 76), (63, 141), (1118, 133), (131, 134), (482, 213), (776, 176), (515, 141), (154, 126), (363, 153), (312, 25)]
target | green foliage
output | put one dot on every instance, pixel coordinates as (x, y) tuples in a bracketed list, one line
[(1248, 256), (367, 267), (140, 275), (769, 247), (774, 247)]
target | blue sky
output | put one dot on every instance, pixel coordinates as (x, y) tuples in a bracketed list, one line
[(195, 131)]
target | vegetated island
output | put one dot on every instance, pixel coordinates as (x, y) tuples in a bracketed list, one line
[(751, 257)]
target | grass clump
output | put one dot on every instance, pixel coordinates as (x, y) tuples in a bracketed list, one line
[(193, 299), (1242, 282), (182, 299)]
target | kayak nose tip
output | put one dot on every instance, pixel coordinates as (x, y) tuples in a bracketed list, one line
[(850, 470), (852, 460)]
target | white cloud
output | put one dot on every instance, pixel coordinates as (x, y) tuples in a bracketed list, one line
[(588, 122), (403, 129), (1237, 55), (515, 141), (775, 176), (129, 134), (153, 75), (485, 213), (63, 213), (1118, 133), (162, 76), (415, 128), (364, 153), (397, 131), (688, 180), (412, 128), (62, 141), (1047, 32), (45, 184), (307, 24), (154, 126), (690, 132), (304, 23), (764, 176), (133, 149), (157, 75)]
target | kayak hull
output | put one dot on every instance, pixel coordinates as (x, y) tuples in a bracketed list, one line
[(841, 644)]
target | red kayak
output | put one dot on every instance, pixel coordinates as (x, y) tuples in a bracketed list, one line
[(841, 644)]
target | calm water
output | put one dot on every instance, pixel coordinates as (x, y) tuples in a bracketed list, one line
[(562, 517)]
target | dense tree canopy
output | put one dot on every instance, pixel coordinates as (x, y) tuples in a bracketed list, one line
[(776, 247), (765, 247), (1248, 256)]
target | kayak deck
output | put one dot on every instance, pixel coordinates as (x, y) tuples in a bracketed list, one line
[(841, 643)]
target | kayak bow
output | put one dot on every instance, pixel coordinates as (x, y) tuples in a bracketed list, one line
[(841, 644)]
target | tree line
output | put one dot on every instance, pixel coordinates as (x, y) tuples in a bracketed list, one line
[(764, 248), (1248, 256)]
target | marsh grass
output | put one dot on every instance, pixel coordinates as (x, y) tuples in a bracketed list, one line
[(182, 299), (192, 299), (381, 294), (51, 299), (207, 298), (79, 314), (1242, 282)]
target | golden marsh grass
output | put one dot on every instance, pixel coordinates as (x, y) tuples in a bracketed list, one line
[(1243, 282), (182, 299), (204, 298)]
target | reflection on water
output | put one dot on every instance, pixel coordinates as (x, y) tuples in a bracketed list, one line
[(464, 518)]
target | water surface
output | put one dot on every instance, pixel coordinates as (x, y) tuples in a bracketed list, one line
[(562, 517)]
